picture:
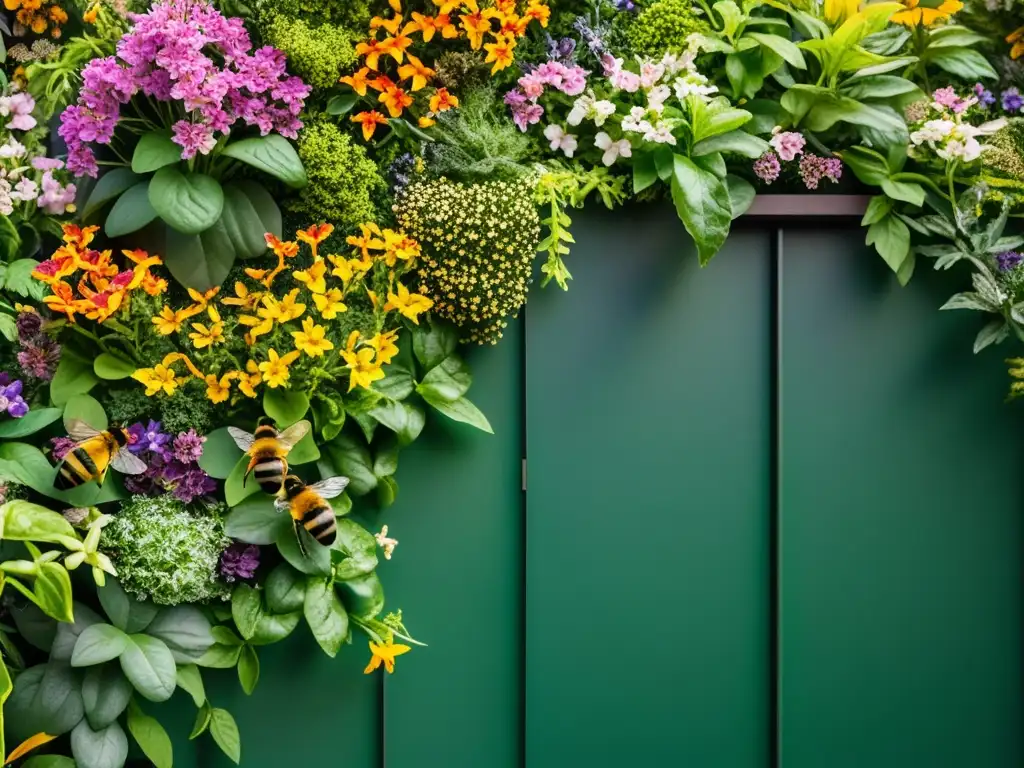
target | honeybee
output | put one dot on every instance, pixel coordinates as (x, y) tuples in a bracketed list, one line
[(94, 453), (307, 504), (267, 450)]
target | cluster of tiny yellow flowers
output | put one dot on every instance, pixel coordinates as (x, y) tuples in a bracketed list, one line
[(478, 245), (259, 334)]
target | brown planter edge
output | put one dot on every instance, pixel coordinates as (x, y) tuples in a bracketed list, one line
[(802, 206)]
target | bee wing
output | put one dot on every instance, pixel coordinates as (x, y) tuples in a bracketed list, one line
[(293, 434), (242, 438), (330, 487), (79, 431), (128, 463), (281, 504)]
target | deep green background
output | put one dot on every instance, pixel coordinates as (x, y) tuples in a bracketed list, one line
[(620, 612)]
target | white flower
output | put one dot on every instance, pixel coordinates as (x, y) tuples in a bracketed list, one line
[(661, 133), (992, 126), (933, 130), (693, 84), (601, 111), (580, 108), (636, 121), (12, 148), (385, 543), (560, 139), (26, 189), (650, 73), (6, 204), (613, 150), (656, 98), (674, 64), (967, 150)]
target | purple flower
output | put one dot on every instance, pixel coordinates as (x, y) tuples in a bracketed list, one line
[(148, 438), (1012, 100), (985, 97), (188, 446), (62, 446), (39, 358), (788, 144), (239, 561), (625, 5), (1009, 260), (562, 50), (194, 484), (11, 401), (814, 168), (767, 167), (29, 325), (194, 137)]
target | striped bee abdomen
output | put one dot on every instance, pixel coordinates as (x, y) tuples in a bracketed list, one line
[(78, 468), (269, 473), (321, 524)]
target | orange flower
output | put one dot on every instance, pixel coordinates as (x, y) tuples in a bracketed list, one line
[(395, 46), (372, 50), (369, 120), (89, 17), (202, 299), (391, 25), (79, 236), (63, 300), (367, 242), (539, 11), (281, 249), (1017, 38), (381, 83), (396, 100), (428, 25), (357, 81), (442, 101), (315, 235), (500, 52), (417, 71), (476, 26)]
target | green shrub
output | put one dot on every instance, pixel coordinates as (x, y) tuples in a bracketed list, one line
[(664, 26), (317, 54)]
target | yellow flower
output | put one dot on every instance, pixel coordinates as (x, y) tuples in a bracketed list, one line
[(1017, 38), (410, 305), (500, 51), (385, 654), (202, 299), (838, 11), (207, 337), (417, 71), (426, 122), (157, 378), (918, 14), (218, 390), (249, 380), (275, 370), (363, 370), (259, 326), (243, 298), (397, 245), (357, 81), (384, 344), (169, 321), (367, 242), (288, 308), (313, 278), (311, 339), (329, 304)]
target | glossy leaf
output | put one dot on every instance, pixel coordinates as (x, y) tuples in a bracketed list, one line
[(326, 616), (257, 521), (248, 669), (110, 186), (73, 376), (147, 662), (189, 203), (358, 550), (285, 589), (52, 591), (105, 694), (246, 609), (248, 214), (87, 409), (460, 410), (220, 454), (151, 737), (112, 368), (237, 488), (131, 212), (271, 154), (98, 644), (190, 680), (272, 628), (125, 612), (432, 342), (284, 406), (317, 559), (105, 748), (154, 151), (449, 380), (29, 424), (225, 734), (199, 261), (362, 596), (350, 458), (703, 204), (185, 631)]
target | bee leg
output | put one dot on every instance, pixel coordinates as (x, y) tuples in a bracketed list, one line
[(298, 536)]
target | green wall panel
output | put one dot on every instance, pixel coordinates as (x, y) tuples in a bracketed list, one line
[(901, 599), (457, 573), (648, 501)]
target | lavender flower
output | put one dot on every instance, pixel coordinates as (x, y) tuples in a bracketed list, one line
[(1009, 260), (985, 97), (11, 401), (814, 168), (188, 446), (561, 50), (239, 561), (767, 167), (1012, 100), (148, 438), (38, 359), (193, 484)]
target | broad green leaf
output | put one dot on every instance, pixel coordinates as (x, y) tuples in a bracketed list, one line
[(878, 208), (49, 761), (271, 154), (189, 203), (199, 261), (34, 626), (67, 634), (98, 644), (908, 192), (953, 35), (154, 151), (403, 418), (52, 591), (257, 521), (285, 589), (357, 549), (237, 488), (342, 103), (190, 679), (782, 46), (243, 220), (74, 376), (220, 656), (305, 451), (316, 561), (110, 186), (385, 461), (220, 454), (387, 491), (151, 737), (105, 694), (736, 142), (868, 166), (702, 202), (461, 410), (326, 616), (273, 628), (891, 239), (362, 596), (397, 383), (185, 631), (879, 87), (202, 720), (131, 212), (105, 748), (246, 609), (147, 662), (284, 406), (350, 458), (10, 240), (644, 171), (225, 734), (741, 194), (125, 612), (29, 424), (433, 342), (87, 409), (248, 669), (965, 63), (112, 368), (449, 380)]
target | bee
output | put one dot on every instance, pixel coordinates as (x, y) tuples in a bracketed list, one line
[(267, 450), (307, 504), (94, 453)]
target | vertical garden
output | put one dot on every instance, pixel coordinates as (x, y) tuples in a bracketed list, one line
[(243, 247)]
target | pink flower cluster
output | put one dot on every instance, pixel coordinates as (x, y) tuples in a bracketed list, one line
[(947, 97), (789, 145), (814, 168), (570, 79), (184, 52), (18, 108)]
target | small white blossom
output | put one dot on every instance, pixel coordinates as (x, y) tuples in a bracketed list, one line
[(26, 189), (661, 133), (636, 121), (12, 148), (580, 108), (613, 150), (656, 98), (933, 130), (650, 73), (385, 543), (560, 139), (693, 84)]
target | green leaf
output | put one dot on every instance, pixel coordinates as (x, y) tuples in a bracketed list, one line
[(200, 261), (154, 151), (362, 596), (433, 342), (387, 491), (325, 615), (736, 142), (271, 154), (878, 208), (285, 589), (908, 192), (305, 451), (203, 717), (98, 644), (147, 662), (8, 327), (284, 406), (358, 550), (189, 203), (10, 240), (256, 521), (49, 761), (112, 368), (397, 383), (351, 458), (87, 409), (67, 634), (879, 87), (125, 612), (220, 656), (46, 698), (52, 591), (151, 738), (275, 627), (994, 332), (246, 609), (741, 194), (74, 376), (131, 212), (834, 109), (461, 410), (243, 218), (317, 559), (105, 748), (403, 418), (34, 626), (24, 521), (190, 680), (18, 278), (891, 239), (110, 185), (30, 423), (644, 171), (342, 103), (185, 631), (225, 733), (868, 166), (220, 454), (965, 63), (448, 381), (248, 669), (236, 487), (105, 694), (783, 47), (702, 202)]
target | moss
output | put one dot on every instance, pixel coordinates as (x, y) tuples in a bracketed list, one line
[(187, 408), (343, 181), (664, 26), (1006, 154), (126, 406), (351, 15), (167, 551), (317, 54)]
